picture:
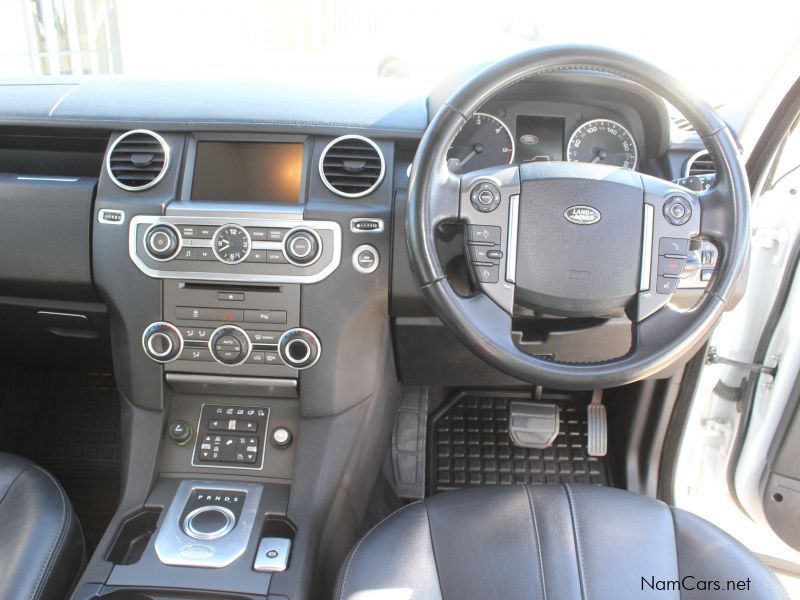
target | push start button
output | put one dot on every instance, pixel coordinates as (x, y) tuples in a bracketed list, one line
[(366, 259)]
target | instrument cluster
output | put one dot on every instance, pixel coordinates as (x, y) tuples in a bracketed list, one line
[(502, 137)]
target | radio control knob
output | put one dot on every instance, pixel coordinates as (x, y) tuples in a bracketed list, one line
[(162, 242), (299, 348), (302, 246), (162, 342), (229, 345)]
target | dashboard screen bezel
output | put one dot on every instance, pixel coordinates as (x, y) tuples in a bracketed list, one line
[(194, 139)]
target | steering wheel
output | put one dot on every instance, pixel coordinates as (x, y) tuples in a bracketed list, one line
[(575, 239)]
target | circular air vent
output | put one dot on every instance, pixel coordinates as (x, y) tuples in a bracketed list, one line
[(352, 166), (701, 163), (137, 160)]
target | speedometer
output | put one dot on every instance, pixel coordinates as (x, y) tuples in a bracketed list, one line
[(484, 141), (605, 142)]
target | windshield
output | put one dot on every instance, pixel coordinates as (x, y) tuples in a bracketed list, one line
[(715, 48)]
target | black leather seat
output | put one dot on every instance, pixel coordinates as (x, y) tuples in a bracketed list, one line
[(548, 542), (42, 543)]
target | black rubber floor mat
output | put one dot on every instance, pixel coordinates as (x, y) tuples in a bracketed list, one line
[(469, 445), (69, 423)]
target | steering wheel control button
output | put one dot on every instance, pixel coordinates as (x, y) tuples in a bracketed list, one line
[(302, 247), (483, 234), (281, 438), (209, 522), (670, 265), (162, 242), (366, 259), (229, 345), (273, 555), (299, 348), (485, 196), (487, 273), (180, 432), (677, 210), (668, 246), (666, 285), (162, 342), (484, 254)]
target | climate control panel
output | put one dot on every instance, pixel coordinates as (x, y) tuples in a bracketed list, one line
[(241, 249)]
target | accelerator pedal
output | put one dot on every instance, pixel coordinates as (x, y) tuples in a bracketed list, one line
[(597, 426)]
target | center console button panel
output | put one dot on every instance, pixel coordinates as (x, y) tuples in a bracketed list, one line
[(231, 436), (193, 246)]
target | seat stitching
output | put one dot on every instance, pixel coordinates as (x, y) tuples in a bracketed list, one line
[(538, 541), (55, 547), (358, 545), (576, 533), (433, 551), (677, 554)]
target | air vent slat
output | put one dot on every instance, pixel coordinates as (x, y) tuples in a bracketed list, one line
[(352, 166), (701, 163), (138, 160)]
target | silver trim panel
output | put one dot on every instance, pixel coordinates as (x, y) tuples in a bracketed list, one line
[(191, 219), (174, 547), (161, 174), (347, 194), (511, 249), (647, 247)]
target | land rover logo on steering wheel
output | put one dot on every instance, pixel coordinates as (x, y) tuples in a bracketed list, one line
[(582, 215)]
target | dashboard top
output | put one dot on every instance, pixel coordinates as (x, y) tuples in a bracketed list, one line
[(385, 108)]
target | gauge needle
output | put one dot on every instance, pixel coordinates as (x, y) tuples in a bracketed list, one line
[(601, 155), (476, 149), (225, 247)]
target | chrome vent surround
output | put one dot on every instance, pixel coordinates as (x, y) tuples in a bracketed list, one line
[(352, 166), (137, 160), (701, 163)]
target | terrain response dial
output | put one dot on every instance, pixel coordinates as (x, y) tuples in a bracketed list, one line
[(162, 342), (229, 345)]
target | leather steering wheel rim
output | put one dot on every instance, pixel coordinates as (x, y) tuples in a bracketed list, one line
[(481, 326)]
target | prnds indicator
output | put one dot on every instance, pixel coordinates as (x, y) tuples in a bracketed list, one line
[(231, 244)]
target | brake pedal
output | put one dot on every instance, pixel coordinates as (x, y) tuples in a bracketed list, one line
[(597, 426), (533, 424)]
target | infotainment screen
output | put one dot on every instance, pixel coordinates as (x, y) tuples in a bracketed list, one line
[(248, 172), (539, 138)]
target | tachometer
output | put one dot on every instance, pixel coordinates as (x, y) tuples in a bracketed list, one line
[(484, 141), (603, 141)]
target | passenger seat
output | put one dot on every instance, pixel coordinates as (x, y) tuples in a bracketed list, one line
[(42, 544)]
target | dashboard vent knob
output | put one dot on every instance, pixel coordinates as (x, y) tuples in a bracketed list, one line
[(701, 163), (137, 160), (352, 166)]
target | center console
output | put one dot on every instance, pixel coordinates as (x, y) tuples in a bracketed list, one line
[(248, 284)]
